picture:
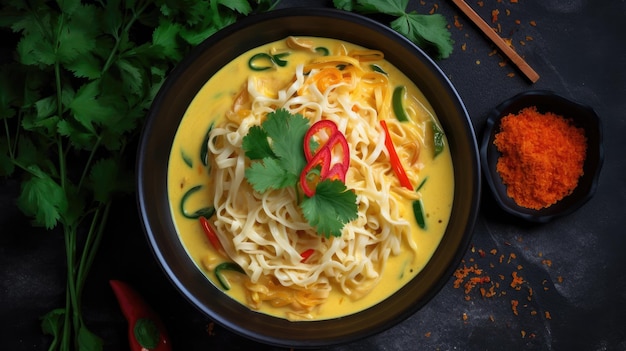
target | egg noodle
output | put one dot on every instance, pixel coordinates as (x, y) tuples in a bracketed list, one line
[(266, 233)]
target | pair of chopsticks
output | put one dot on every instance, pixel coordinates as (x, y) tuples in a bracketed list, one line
[(496, 39)]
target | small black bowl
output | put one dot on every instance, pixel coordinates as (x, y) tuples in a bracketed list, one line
[(581, 115)]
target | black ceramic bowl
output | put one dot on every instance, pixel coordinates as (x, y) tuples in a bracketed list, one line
[(172, 102), (546, 101)]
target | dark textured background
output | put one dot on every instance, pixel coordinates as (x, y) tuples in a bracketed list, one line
[(575, 265)]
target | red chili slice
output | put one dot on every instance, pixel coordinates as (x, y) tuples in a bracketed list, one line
[(323, 155), (211, 235), (306, 254), (396, 165)]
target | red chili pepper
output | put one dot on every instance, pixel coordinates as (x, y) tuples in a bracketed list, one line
[(323, 155), (146, 331), (306, 254), (395, 160), (211, 235)]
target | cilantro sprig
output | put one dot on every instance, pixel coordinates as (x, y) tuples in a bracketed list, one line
[(429, 32), (74, 90), (276, 151)]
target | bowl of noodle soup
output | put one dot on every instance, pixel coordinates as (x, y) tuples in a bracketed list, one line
[(308, 178)]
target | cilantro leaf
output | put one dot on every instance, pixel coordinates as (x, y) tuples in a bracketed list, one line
[(165, 36), (42, 198), (256, 145), (268, 174), (287, 134), (78, 34), (389, 7), (52, 323), (332, 206), (346, 5), (241, 6), (278, 144), (429, 32)]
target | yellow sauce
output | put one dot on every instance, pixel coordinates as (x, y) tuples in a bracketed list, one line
[(186, 171)]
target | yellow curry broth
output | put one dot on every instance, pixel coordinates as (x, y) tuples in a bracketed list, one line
[(211, 104)]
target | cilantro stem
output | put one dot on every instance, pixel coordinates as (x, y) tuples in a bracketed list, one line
[(8, 136), (71, 307), (92, 244), (118, 41), (87, 166)]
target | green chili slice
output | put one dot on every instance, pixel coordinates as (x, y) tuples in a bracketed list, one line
[(204, 148), (418, 211), (278, 59), (226, 266), (322, 51), (205, 211), (186, 158), (421, 184), (437, 139), (398, 104), (261, 62), (377, 68), (147, 333)]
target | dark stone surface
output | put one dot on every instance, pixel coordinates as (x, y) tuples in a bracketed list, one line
[(574, 265)]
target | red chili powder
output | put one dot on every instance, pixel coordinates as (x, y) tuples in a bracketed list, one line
[(542, 157)]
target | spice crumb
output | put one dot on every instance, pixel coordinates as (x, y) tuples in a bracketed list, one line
[(517, 281), (514, 304), (427, 334), (209, 328), (547, 314), (457, 23), (494, 15)]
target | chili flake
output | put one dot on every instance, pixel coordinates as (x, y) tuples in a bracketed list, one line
[(514, 304)]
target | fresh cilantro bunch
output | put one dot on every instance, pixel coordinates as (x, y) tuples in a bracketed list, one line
[(74, 90), (430, 32), (276, 149)]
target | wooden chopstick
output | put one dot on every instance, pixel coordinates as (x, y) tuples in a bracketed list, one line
[(496, 39)]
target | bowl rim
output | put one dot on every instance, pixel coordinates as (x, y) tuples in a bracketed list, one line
[(488, 152), (152, 224)]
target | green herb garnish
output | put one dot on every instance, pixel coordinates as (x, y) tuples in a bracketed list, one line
[(276, 149), (429, 32), (73, 93)]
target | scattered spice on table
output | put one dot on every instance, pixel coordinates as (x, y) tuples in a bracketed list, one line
[(542, 157), (484, 271)]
